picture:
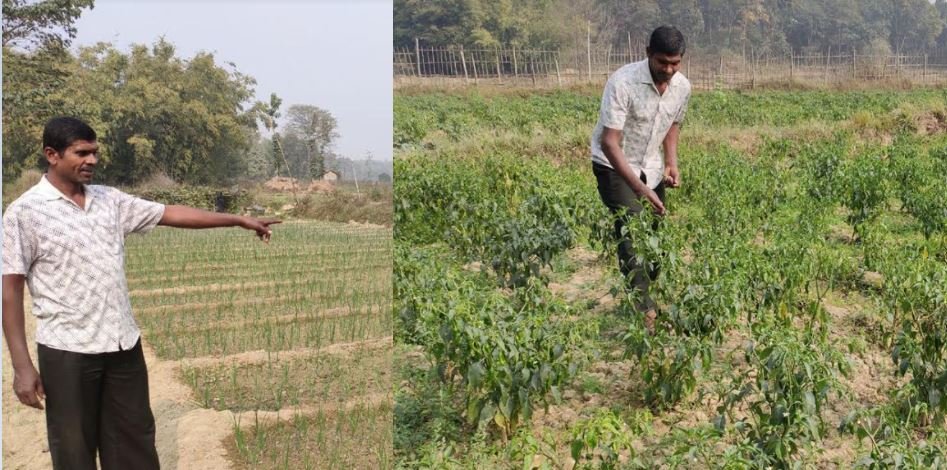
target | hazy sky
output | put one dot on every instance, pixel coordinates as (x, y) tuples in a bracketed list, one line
[(332, 54)]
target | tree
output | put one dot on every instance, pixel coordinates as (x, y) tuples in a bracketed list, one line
[(686, 15), (941, 6), (156, 112), (47, 23), (915, 25), (30, 98), (384, 178), (317, 128), (35, 35), (269, 114), (152, 111)]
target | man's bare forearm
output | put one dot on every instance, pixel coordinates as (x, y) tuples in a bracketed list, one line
[(14, 328), (670, 145), (611, 147), (189, 217)]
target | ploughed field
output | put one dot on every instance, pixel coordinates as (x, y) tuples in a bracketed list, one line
[(290, 341), (803, 288)]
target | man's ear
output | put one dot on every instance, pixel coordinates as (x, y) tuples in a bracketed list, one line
[(51, 155)]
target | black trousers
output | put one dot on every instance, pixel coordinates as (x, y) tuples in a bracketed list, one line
[(623, 203), (98, 403)]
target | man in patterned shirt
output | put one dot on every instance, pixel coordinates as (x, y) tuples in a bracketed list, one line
[(642, 108), (65, 239)]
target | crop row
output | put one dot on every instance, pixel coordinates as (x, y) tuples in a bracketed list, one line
[(751, 243)]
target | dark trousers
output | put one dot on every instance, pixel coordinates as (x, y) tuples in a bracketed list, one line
[(98, 402), (623, 203)]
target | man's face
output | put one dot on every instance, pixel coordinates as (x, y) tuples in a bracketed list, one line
[(76, 163), (663, 66)]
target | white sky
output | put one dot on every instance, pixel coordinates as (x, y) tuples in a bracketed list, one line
[(332, 54)]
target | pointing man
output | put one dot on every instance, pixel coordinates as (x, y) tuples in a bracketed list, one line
[(65, 239)]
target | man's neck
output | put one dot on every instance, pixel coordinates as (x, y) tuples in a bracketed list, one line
[(661, 86), (71, 189)]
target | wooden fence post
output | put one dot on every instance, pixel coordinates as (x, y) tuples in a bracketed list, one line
[(792, 64), (516, 71), (499, 74), (417, 55), (854, 66), (630, 58), (897, 64), (532, 70), (588, 48), (558, 76), (608, 56), (473, 62), (463, 61)]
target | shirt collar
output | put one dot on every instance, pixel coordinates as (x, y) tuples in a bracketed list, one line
[(644, 76), (51, 193)]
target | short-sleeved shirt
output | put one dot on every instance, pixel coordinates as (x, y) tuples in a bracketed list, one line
[(631, 103), (73, 259)]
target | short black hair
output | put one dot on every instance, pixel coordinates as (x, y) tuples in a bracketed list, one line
[(61, 132), (667, 40)]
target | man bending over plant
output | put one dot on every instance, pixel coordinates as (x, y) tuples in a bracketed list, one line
[(642, 108)]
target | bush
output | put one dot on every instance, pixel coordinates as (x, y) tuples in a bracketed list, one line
[(212, 199), (26, 180)]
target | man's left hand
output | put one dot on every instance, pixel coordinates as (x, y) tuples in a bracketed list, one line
[(672, 177), (260, 226)]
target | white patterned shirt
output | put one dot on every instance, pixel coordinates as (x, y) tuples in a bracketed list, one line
[(631, 103), (73, 259)]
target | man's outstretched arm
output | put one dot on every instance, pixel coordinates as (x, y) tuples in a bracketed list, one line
[(189, 217), (26, 380)]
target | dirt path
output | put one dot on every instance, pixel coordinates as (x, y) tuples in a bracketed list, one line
[(24, 428), (262, 356), (188, 437)]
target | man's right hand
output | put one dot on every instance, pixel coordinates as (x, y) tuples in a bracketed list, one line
[(655, 201), (29, 387)]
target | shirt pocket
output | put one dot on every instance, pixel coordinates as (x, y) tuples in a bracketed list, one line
[(668, 111), (644, 111), (107, 229)]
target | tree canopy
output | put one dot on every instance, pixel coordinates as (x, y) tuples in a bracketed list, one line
[(774, 26), (46, 23), (153, 111)]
